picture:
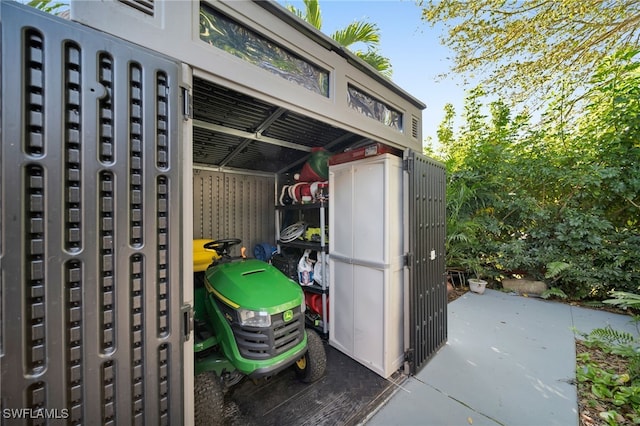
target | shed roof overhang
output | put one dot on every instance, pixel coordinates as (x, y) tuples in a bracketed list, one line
[(246, 117)]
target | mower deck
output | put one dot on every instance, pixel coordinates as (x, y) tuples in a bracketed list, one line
[(346, 395)]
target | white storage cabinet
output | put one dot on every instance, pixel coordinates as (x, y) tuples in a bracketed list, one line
[(366, 262)]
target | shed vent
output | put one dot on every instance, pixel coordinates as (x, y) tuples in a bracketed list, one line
[(414, 127), (144, 6)]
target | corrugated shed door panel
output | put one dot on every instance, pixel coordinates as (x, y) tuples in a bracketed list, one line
[(427, 281), (91, 225)]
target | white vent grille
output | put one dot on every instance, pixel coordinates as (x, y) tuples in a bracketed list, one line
[(414, 127)]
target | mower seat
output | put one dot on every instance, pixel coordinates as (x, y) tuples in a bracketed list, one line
[(202, 257)]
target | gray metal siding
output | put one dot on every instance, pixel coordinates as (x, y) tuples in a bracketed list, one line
[(91, 225), (428, 289), (234, 205)]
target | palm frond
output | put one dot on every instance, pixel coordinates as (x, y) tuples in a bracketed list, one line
[(377, 61), (48, 6), (311, 13), (291, 8), (358, 32)]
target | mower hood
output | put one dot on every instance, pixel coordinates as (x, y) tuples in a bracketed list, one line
[(253, 284)]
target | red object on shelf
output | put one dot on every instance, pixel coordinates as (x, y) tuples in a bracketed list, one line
[(316, 168), (363, 152), (314, 302)]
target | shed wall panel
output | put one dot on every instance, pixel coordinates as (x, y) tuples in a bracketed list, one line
[(234, 205)]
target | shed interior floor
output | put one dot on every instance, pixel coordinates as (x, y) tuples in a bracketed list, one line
[(346, 395)]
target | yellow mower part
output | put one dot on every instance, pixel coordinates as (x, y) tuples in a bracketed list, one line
[(302, 363), (202, 257)]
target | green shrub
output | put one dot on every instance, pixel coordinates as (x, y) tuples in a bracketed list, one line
[(565, 192)]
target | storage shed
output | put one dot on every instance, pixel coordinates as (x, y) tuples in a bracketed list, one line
[(166, 122)]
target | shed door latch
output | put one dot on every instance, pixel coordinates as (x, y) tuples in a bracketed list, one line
[(187, 322), (187, 104)]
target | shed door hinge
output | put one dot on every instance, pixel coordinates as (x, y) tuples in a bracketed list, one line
[(187, 322), (408, 356), (407, 260), (408, 362), (407, 165), (187, 104)]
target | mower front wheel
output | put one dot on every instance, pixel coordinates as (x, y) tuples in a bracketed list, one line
[(208, 399), (312, 365)]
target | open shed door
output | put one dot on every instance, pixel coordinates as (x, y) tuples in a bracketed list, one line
[(426, 292), (91, 226)]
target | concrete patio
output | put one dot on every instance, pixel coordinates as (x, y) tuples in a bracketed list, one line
[(509, 360)]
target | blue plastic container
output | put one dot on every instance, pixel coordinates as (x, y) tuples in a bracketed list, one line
[(264, 251)]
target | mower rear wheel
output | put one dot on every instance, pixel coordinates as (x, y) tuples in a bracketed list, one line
[(312, 365), (208, 399)]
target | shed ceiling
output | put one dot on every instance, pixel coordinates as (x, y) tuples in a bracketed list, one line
[(238, 131)]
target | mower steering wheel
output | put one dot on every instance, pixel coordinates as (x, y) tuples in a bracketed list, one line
[(222, 246)]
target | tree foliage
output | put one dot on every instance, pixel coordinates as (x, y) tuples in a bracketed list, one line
[(357, 32), (524, 198), (532, 47)]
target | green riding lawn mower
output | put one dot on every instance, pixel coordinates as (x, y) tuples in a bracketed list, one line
[(249, 321)]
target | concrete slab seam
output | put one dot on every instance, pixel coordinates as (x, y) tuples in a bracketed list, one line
[(573, 324), (480, 413), (398, 387)]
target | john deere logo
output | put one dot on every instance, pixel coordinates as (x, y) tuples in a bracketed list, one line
[(287, 315)]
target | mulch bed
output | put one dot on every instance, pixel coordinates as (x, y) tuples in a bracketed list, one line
[(588, 404), (454, 292)]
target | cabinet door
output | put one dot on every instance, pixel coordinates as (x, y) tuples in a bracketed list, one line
[(341, 211), (369, 316), (341, 303), (369, 221)]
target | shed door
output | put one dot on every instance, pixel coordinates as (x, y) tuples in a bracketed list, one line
[(90, 226), (426, 293)]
